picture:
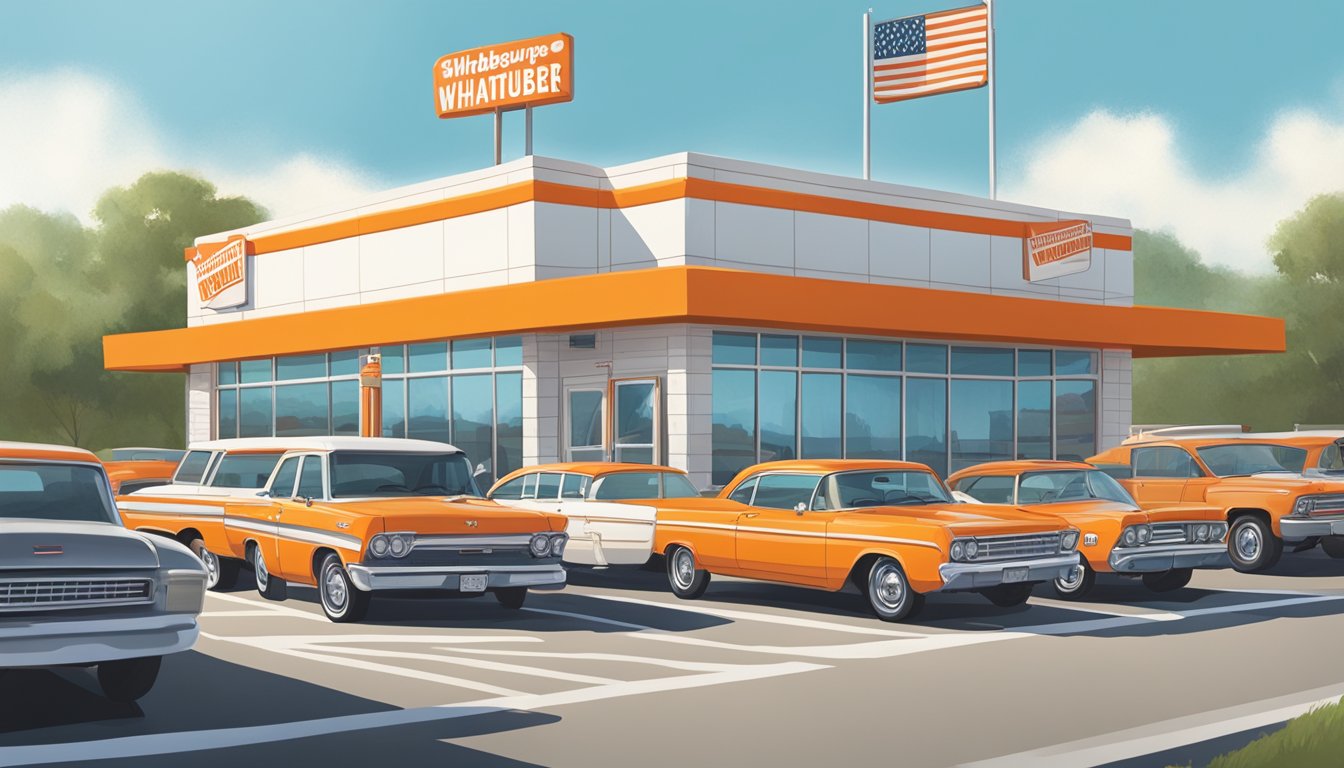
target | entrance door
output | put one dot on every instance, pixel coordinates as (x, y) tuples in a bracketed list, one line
[(636, 425), (585, 423)]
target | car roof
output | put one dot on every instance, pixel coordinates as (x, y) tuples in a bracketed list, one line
[(593, 468), (324, 443), (16, 450), (1250, 438), (827, 466), (1017, 467)]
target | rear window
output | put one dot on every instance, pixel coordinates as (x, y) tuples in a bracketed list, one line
[(244, 470), (676, 486), (192, 469), (628, 485)]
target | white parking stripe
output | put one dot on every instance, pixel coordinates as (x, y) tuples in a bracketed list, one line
[(1168, 734), (792, 621), (389, 669), (689, 666), (513, 669)]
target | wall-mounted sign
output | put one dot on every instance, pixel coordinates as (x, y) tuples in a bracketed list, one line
[(221, 272), (511, 75), (1052, 249)]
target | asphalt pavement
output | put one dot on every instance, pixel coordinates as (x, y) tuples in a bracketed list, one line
[(615, 671)]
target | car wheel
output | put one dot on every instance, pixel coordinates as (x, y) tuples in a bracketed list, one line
[(1167, 581), (1079, 583), (511, 597), (341, 601), (889, 592), (1252, 545), (688, 582), (128, 679), (220, 572), (1008, 595), (1333, 546), (271, 587)]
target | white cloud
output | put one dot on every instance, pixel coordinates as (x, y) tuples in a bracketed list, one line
[(67, 136), (1131, 166)]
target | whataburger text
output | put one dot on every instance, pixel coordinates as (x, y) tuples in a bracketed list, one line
[(221, 273), (505, 76), (1055, 249)]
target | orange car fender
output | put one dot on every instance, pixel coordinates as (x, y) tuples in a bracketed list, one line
[(176, 526), (919, 561)]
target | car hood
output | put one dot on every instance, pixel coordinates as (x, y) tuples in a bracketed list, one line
[(967, 519), (448, 515), (80, 545)]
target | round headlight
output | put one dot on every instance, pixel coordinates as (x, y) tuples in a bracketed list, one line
[(972, 549), (1130, 538), (1145, 533), (558, 544), (1217, 531), (378, 546), (1201, 532), (1068, 540), (400, 546), (540, 545), (958, 550), (1304, 506)]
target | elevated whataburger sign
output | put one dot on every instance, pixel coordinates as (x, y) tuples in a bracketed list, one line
[(513, 75)]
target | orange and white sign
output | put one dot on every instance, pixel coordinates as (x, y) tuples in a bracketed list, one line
[(1056, 248), (536, 71), (221, 272)]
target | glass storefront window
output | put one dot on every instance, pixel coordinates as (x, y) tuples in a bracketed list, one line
[(474, 419), (301, 367), (821, 415), (228, 413), (1072, 363), (982, 361), (926, 423), (471, 353), (926, 358), (427, 409), (302, 410), (872, 416), (344, 406), (255, 371), (227, 373), (394, 359), (394, 407), (981, 421), (778, 414), (345, 363), (508, 351), (1033, 419), (508, 422), (779, 351), (734, 423), (1033, 362), (1076, 419), (821, 352), (427, 358), (254, 411), (734, 348), (865, 355)]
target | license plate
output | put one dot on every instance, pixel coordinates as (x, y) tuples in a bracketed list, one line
[(474, 583), (1014, 575)]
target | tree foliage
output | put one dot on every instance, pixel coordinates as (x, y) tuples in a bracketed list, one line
[(63, 286)]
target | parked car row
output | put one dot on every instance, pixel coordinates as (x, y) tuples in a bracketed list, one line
[(90, 579)]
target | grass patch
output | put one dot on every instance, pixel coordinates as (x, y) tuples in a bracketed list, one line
[(1313, 740)]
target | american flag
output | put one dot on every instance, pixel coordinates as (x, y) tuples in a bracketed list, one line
[(931, 54)]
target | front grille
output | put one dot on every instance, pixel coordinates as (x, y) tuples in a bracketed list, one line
[(1018, 547), (1332, 504), (56, 594), (1168, 533)]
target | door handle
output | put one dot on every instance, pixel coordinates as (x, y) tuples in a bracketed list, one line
[(750, 514)]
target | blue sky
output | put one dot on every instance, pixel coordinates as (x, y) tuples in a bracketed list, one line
[(245, 83)]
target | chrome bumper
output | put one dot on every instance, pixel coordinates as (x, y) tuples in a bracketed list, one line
[(1165, 557), (1299, 528), (42, 643), (962, 576), (373, 579)]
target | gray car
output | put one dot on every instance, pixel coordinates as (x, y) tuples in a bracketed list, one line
[(76, 588)]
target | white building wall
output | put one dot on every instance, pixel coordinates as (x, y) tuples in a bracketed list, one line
[(1116, 403), (200, 403)]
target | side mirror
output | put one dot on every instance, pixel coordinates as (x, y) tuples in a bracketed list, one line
[(800, 508), (308, 501), (264, 494)]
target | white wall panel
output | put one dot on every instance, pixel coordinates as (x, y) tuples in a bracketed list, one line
[(476, 243), (406, 256), (830, 243), (748, 234), (896, 250)]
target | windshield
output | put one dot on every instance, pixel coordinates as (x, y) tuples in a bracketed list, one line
[(1070, 485), (364, 474), (244, 470), (847, 490), (54, 492), (1250, 458), (146, 454)]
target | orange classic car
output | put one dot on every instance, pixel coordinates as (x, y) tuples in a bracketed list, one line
[(357, 515), (1261, 483), (131, 469), (602, 530), (888, 527), (1162, 546)]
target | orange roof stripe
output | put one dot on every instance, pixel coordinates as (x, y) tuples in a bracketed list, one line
[(706, 295), (629, 197)]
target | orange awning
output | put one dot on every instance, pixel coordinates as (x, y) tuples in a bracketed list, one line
[(711, 296)]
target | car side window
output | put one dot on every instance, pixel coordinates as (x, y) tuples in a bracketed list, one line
[(310, 479), (784, 491), (1164, 461), (282, 485), (574, 486), (548, 486), (192, 469), (990, 489), (512, 489), (742, 493), (1332, 458)]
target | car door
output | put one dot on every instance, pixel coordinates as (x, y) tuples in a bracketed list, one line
[(255, 518), (301, 521), (776, 539), (608, 510), (1161, 473)]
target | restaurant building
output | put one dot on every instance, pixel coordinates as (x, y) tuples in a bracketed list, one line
[(691, 310)]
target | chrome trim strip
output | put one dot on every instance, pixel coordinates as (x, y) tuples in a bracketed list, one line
[(469, 541), (164, 508), (297, 533), (1168, 556), (803, 534)]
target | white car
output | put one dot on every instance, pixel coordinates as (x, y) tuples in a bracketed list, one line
[(78, 589), (607, 525)]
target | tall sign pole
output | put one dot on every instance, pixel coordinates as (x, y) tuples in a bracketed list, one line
[(993, 75), (868, 95)]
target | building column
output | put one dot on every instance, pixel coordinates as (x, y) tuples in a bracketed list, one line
[(689, 404), (200, 415), (541, 400), (1116, 399)]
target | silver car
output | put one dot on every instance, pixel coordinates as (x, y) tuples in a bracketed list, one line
[(78, 589)]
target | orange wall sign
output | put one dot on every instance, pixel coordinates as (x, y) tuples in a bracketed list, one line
[(221, 272), (536, 71), (1056, 248)]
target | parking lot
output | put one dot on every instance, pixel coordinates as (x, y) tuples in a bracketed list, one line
[(614, 670)]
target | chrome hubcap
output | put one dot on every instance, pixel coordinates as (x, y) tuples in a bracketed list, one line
[(211, 563), (684, 569), (335, 588), (1072, 580), (259, 565), (1248, 542), (888, 588)]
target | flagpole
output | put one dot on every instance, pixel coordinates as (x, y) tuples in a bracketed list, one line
[(993, 75), (867, 96)]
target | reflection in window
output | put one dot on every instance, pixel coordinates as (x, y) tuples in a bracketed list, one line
[(926, 358), (982, 422), (734, 348), (872, 417), (508, 422), (474, 420), (1033, 420), (821, 416), (778, 414), (255, 371), (866, 355), (254, 412), (821, 352), (1033, 362), (1072, 363), (508, 351), (345, 407), (394, 408), (301, 410), (471, 353), (394, 359), (1076, 419), (427, 358), (301, 367), (228, 413), (345, 363), (228, 373), (427, 409), (734, 427), (926, 423), (779, 350), (982, 361)]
